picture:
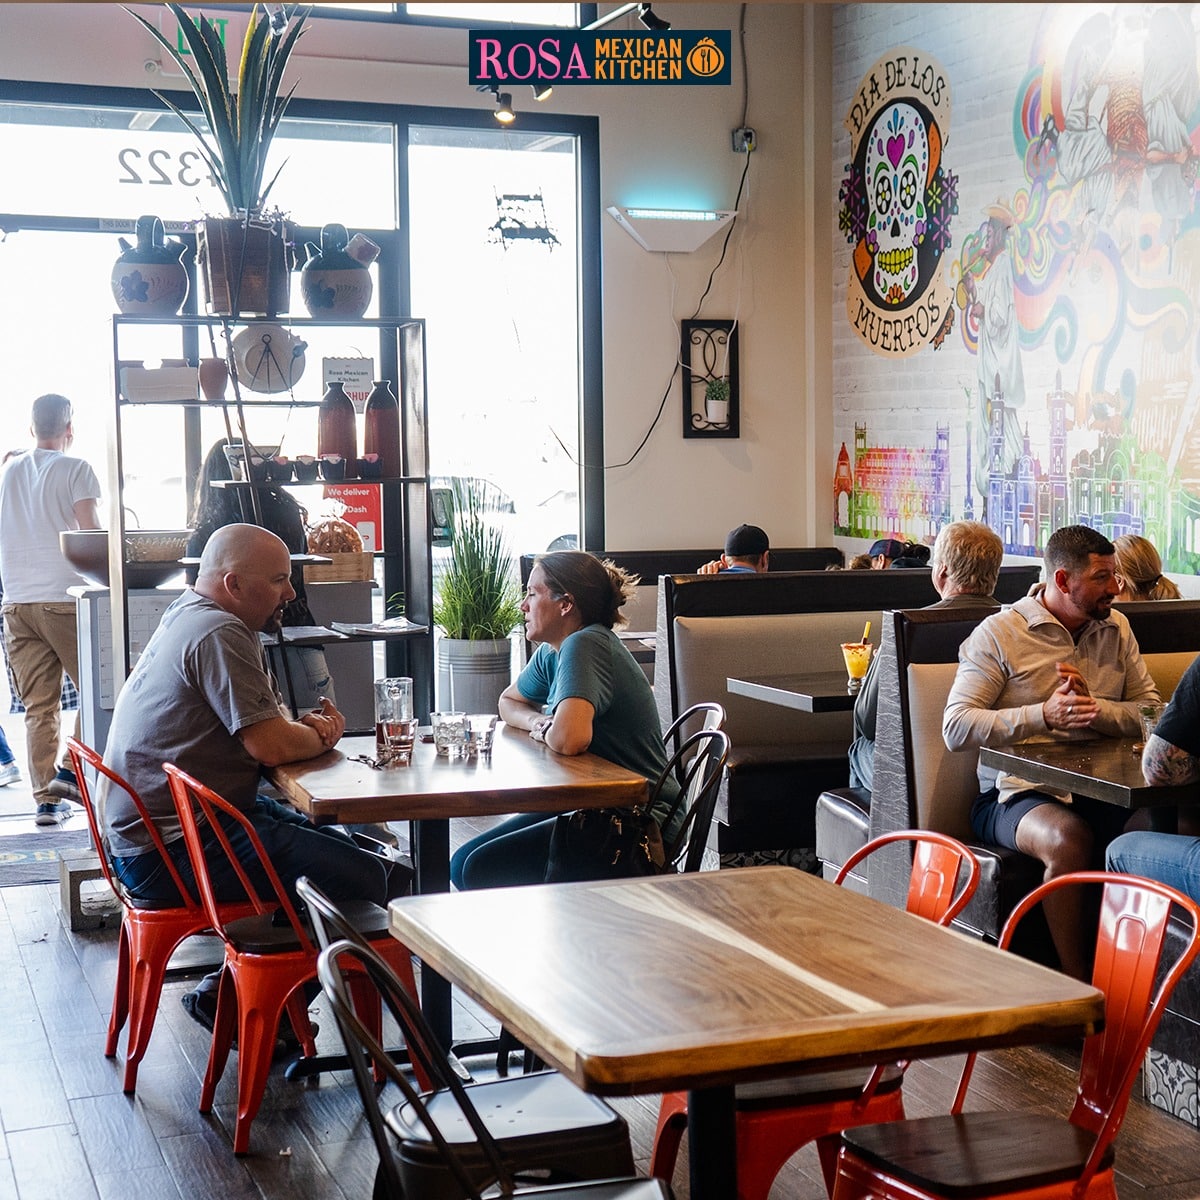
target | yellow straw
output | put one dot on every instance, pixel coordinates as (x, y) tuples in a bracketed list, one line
[(866, 632)]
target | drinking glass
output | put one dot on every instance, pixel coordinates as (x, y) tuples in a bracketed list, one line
[(450, 733), (481, 728), (858, 659), (395, 725), (1150, 715)]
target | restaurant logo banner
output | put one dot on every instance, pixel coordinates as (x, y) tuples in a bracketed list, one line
[(552, 56), (896, 203)]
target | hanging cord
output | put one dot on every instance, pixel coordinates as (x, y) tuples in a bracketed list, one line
[(675, 369)]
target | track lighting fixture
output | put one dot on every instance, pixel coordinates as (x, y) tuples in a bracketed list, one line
[(541, 91), (504, 109), (644, 14), (647, 18)]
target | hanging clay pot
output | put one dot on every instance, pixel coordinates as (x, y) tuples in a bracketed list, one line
[(332, 283), (148, 280)]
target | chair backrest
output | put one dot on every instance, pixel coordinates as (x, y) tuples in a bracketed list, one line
[(335, 966), (1129, 946), (189, 795), (938, 861), (699, 764), (709, 713), (331, 924), (82, 757)]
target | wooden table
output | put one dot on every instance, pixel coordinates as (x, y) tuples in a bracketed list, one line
[(814, 692), (1106, 769), (700, 981), (521, 776)]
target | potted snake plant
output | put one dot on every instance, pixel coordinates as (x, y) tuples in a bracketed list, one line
[(242, 254), (477, 605)]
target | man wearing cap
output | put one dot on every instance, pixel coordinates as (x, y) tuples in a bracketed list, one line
[(1059, 666), (746, 553), (966, 565), (884, 551)]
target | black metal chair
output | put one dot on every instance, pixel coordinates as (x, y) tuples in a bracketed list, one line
[(459, 1139)]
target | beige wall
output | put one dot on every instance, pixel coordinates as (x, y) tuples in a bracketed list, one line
[(655, 142)]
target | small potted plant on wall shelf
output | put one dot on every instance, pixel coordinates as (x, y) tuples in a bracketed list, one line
[(716, 401), (242, 254)]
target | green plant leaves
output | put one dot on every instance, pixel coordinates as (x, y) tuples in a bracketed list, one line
[(240, 124), (477, 596)]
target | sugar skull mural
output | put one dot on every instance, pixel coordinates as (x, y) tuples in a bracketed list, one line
[(897, 167), (897, 199)]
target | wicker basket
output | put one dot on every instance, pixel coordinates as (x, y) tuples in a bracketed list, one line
[(346, 567)]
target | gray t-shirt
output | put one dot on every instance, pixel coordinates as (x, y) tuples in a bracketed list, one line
[(200, 679)]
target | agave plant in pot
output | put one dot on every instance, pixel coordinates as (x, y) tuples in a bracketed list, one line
[(477, 605), (242, 255)]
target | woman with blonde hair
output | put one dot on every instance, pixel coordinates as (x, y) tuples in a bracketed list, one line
[(1139, 571)]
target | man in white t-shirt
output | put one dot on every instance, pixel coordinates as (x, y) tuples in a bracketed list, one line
[(41, 493)]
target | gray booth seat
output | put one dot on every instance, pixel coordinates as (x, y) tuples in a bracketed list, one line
[(712, 627)]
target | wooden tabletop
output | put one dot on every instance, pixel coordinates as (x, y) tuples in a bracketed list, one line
[(690, 981), (1106, 769), (521, 776), (817, 691)]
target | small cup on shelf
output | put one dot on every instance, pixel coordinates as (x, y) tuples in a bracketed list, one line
[(258, 468), (279, 468), (333, 466), (369, 467), (306, 468)]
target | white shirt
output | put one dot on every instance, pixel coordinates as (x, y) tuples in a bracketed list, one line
[(38, 494)]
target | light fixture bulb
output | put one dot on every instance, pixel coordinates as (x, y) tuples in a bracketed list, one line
[(504, 111), (541, 91)]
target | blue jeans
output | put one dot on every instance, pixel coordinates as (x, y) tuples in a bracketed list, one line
[(1170, 858), (514, 853), (295, 846)]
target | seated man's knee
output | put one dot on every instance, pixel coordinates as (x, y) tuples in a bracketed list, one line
[(1057, 837)]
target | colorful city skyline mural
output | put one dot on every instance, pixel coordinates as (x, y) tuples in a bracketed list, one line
[(1076, 298)]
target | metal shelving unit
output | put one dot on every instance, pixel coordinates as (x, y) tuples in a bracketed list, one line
[(404, 500)]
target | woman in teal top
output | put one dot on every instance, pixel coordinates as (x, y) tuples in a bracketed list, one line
[(582, 690)]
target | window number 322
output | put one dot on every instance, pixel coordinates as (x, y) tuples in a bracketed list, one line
[(157, 167)]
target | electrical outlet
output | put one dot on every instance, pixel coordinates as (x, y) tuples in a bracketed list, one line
[(744, 140)]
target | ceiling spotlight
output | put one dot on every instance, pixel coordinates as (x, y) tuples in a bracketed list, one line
[(504, 111), (647, 18), (541, 91)]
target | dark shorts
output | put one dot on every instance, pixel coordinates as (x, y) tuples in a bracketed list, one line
[(997, 823)]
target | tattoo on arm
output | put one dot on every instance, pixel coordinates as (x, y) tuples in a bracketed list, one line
[(1166, 764)]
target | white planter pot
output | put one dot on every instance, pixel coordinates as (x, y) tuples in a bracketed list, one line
[(481, 670), (716, 412)]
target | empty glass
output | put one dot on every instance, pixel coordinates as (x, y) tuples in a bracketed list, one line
[(395, 725), (481, 728), (450, 733)]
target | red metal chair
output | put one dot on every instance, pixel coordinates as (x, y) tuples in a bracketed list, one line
[(149, 936), (265, 963), (775, 1118), (1027, 1154)]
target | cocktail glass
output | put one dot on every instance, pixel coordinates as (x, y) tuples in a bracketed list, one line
[(858, 659)]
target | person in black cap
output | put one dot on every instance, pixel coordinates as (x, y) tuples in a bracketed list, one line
[(884, 551), (747, 550)]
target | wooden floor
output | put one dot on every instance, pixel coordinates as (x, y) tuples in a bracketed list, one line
[(70, 1134)]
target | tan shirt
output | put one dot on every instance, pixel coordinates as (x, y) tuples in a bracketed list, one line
[(1006, 670)]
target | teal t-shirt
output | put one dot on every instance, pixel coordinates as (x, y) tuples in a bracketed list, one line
[(593, 665)]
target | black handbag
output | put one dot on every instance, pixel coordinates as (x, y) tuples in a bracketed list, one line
[(605, 843)]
